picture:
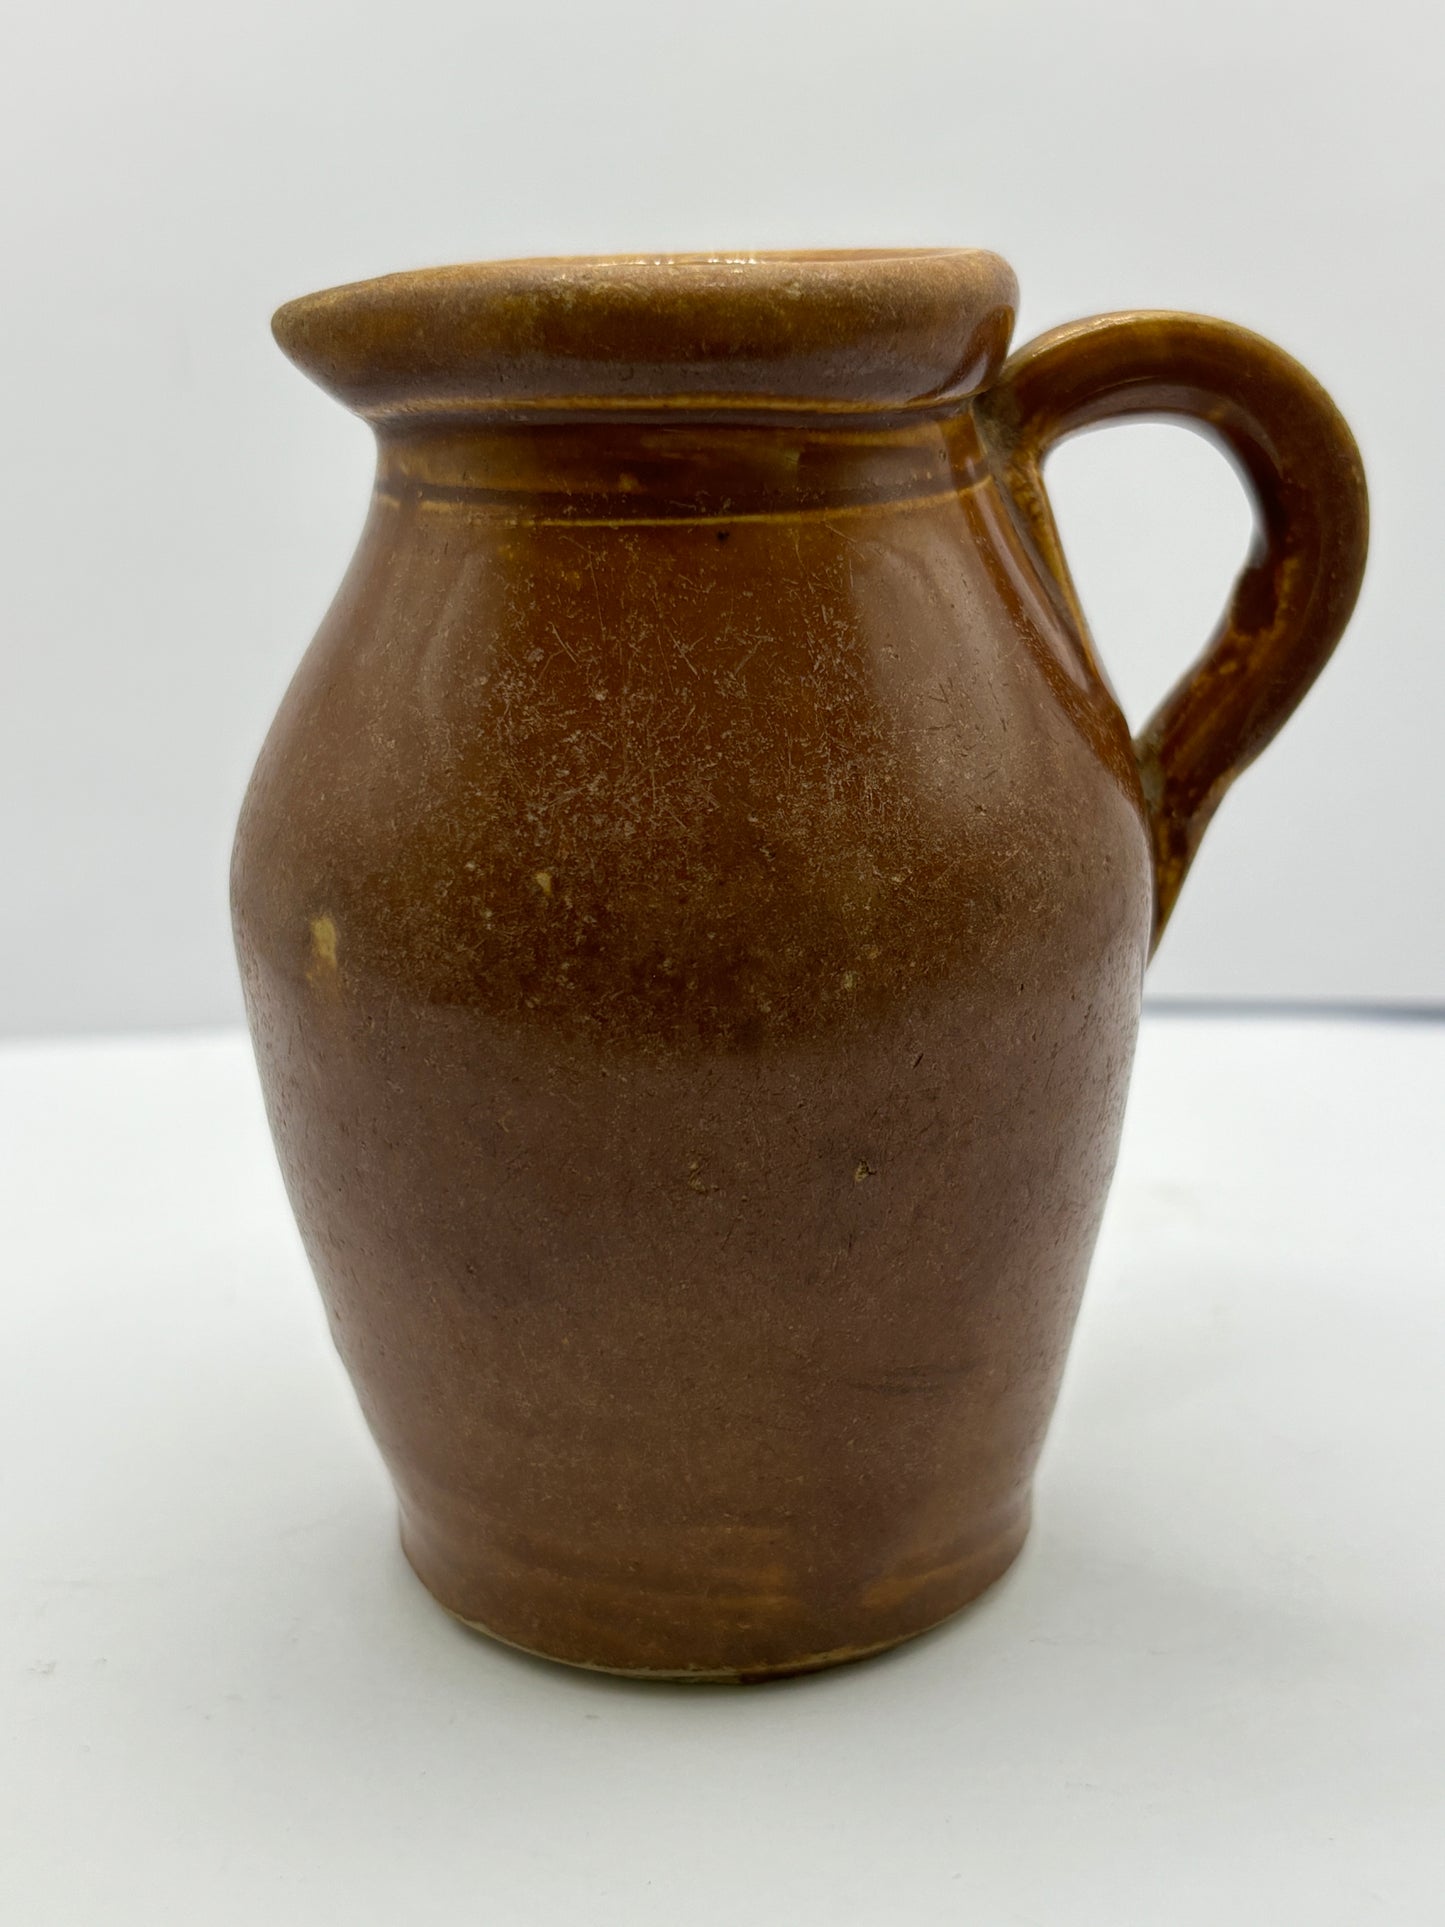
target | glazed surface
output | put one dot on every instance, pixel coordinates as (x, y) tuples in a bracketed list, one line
[(695, 945)]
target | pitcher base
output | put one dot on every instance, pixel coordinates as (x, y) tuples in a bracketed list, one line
[(983, 1571)]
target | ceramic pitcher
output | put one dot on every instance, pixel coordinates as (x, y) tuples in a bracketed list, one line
[(693, 904)]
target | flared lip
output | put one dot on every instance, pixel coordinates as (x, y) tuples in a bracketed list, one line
[(814, 331)]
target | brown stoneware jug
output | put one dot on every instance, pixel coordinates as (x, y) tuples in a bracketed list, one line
[(693, 904)]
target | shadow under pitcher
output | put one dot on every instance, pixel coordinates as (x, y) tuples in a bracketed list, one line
[(693, 904)]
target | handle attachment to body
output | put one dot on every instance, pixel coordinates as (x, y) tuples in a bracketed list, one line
[(1294, 597)]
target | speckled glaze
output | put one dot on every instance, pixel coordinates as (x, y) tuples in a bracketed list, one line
[(693, 904)]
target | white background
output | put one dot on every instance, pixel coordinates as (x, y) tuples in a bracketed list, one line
[(178, 505), (1213, 1689)]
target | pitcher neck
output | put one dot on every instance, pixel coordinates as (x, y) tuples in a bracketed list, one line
[(624, 471)]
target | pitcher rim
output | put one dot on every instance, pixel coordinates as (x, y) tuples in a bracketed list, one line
[(825, 331)]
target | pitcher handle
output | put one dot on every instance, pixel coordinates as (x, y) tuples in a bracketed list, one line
[(1292, 600)]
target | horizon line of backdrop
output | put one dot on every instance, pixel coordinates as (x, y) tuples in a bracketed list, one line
[(180, 504)]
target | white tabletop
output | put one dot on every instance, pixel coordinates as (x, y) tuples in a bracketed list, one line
[(1212, 1691)]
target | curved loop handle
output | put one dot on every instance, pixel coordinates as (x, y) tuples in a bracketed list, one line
[(1294, 597)]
